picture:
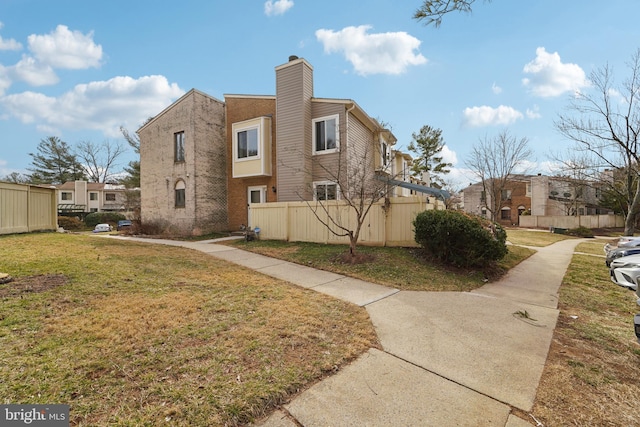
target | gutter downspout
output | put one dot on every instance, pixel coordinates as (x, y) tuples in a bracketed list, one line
[(346, 133)]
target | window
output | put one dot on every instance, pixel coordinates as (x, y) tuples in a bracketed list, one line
[(180, 194), (506, 194), (178, 146), (529, 189), (385, 154), (247, 141), (65, 195), (93, 210), (483, 196), (505, 213), (325, 135), (110, 197), (325, 191), (93, 196)]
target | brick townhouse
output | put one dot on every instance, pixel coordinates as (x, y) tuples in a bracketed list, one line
[(205, 161)]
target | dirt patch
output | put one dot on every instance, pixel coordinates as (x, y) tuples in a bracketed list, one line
[(29, 284)]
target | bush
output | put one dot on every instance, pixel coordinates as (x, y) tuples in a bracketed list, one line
[(580, 232), (103, 218), (460, 239), (70, 223)]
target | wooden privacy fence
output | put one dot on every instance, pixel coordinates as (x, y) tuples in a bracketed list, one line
[(385, 225), (562, 221), (25, 208)]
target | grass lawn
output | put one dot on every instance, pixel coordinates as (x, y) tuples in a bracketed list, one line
[(591, 375), (401, 268), (139, 334)]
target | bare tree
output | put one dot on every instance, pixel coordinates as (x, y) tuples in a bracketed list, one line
[(493, 161), (99, 159), (16, 178), (349, 177), (432, 11), (605, 129)]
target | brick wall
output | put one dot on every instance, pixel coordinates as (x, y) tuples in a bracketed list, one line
[(239, 109)]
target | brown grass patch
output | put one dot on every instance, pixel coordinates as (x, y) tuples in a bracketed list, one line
[(37, 283)]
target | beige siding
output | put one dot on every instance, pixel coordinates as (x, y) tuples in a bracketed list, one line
[(296, 221), (294, 89), (25, 208)]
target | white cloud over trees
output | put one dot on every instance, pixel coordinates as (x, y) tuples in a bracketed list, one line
[(377, 53), (550, 77), (490, 116), (102, 105)]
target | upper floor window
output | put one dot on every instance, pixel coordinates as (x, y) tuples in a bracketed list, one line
[(93, 196), (506, 194), (110, 197), (65, 195), (180, 194), (325, 135), (325, 191), (178, 146), (247, 141)]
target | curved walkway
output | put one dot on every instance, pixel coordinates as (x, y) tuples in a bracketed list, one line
[(448, 358)]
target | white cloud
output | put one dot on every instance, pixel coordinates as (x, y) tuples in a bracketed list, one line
[(550, 77), (534, 113), (33, 72), (487, 116), (66, 49), (381, 53), (496, 89), (277, 7), (448, 155), (101, 105), (9, 44)]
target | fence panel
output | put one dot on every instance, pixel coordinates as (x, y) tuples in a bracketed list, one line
[(389, 225), (589, 221), (25, 208)]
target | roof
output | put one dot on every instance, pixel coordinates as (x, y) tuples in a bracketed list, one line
[(437, 192), (177, 101)]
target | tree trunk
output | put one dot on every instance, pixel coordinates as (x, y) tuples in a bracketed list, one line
[(632, 213)]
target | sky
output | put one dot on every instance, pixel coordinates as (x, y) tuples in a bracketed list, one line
[(80, 70)]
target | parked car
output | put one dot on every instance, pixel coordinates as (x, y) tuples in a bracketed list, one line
[(100, 228), (628, 241), (625, 271), (615, 253), (123, 223)]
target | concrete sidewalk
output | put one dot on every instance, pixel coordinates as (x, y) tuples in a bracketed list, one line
[(463, 359)]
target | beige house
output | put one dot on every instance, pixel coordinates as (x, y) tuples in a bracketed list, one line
[(205, 162), (86, 197)]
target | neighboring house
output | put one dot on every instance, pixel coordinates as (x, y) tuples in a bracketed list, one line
[(249, 149), (87, 197), (535, 195)]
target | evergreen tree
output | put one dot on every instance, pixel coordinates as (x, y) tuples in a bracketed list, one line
[(426, 147), (55, 163)]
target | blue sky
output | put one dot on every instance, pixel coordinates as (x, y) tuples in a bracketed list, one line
[(79, 70)]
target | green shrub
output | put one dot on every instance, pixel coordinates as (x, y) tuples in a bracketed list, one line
[(460, 239), (103, 218), (580, 232), (70, 223)]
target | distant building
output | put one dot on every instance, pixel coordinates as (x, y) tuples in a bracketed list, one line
[(87, 197), (536, 195)]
